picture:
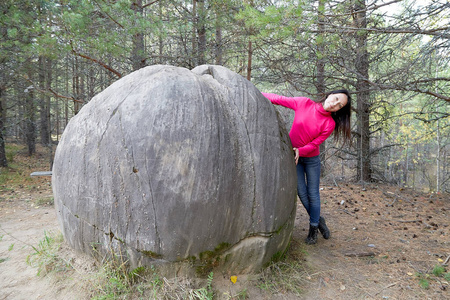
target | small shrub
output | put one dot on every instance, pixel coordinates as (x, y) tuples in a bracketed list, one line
[(205, 293), (424, 283), (438, 270)]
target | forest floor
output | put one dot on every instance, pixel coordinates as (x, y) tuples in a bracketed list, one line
[(386, 243)]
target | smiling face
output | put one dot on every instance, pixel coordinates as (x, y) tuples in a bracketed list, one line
[(335, 102)]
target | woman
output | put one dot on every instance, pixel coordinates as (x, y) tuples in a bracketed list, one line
[(313, 124)]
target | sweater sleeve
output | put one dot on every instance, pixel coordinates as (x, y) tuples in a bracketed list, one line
[(289, 102), (315, 143)]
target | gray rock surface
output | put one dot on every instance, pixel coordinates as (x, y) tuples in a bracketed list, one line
[(177, 167)]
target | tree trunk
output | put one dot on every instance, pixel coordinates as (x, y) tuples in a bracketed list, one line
[(201, 31), (160, 37), (76, 86), (30, 119), (138, 49), (44, 103), (438, 158), (57, 119), (193, 61), (3, 160), (47, 115), (249, 61), (218, 46), (362, 89), (250, 32), (406, 165), (66, 103), (320, 66)]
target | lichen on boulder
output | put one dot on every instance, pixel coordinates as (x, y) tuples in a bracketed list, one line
[(169, 165)]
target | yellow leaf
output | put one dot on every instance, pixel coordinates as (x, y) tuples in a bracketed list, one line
[(233, 279), (440, 260), (410, 274)]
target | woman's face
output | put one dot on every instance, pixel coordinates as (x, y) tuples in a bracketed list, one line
[(335, 102)]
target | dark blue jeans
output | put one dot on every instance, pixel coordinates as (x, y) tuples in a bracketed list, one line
[(308, 180)]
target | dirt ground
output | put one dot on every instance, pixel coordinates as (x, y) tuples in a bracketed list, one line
[(383, 237), (384, 241)]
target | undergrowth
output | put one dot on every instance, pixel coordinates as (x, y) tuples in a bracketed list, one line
[(286, 275), (438, 274), (114, 280), (46, 256)]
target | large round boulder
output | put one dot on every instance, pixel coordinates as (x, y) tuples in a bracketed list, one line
[(177, 167)]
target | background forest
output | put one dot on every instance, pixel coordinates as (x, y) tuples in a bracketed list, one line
[(55, 55)]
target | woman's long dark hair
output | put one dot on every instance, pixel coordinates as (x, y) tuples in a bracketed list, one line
[(342, 130)]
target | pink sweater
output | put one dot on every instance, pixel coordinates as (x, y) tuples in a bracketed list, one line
[(312, 124)]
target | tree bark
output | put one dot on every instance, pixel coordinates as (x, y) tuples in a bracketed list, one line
[(49, 77), (76, 86), (320, 64), (438, 158), (201, 32), (44, 102), (3, 160), (30, 119), (320, 67), (138, 50), (193, 62), (160, 37), (249, 61), (362, 89), (218, 46)]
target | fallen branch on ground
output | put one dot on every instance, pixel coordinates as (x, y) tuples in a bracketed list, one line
[(406, 221), (360, 254), (388, 286), (347, 212)]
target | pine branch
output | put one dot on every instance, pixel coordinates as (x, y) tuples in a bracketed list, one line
[(95, 61), (148, 4), (50, 90)]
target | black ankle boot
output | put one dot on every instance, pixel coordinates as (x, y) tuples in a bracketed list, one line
[(312, 235), (323, 228)]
